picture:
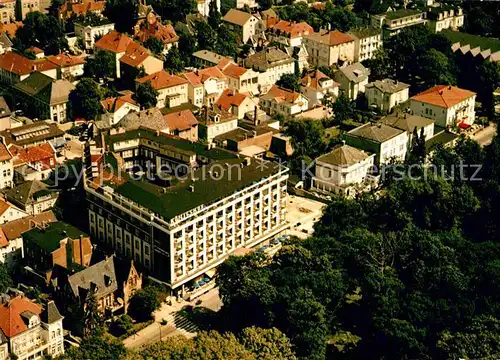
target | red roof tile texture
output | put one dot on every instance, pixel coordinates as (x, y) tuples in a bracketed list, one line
[(162, 80), (230, 98), (180, 121), (114, 42), (292, 29), (200, 76), (11, 322), (443, 96)]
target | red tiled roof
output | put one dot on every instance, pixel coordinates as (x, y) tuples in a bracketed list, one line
[(4, 153), (65, 60), (11, 28), (280, 94), (15, 63), (117, 102), (443, 96), (3, 239), (88, 6), (114, 42), (180, 121), (36, 50), (292, 29), (200, 76), (234, 71), (135, 55), (11, 322), (162, 80), (230, 98), (224, 63), (312, 80), (151, 27), (42, 65), (331, 38), (4, 206), (33, 154)]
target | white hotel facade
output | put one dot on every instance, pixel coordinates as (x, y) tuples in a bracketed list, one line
[(187, 247)]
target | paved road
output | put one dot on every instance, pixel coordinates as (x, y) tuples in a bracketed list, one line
[(485, 136)]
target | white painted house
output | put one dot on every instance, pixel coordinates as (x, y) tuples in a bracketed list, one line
[(115, 108), (172, 89), (315, 86), (283, 101), (366, 42), (352, 79), (385, 94), (326, 48), (447, 105), (242, 23), (205, 85)]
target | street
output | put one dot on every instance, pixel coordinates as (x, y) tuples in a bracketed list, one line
[(485, 136)]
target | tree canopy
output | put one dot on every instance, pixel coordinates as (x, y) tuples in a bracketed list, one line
[(289, 81), (5, 279), (101, 66), (144, 303), (146, 95), (85, 100), (123, 13)]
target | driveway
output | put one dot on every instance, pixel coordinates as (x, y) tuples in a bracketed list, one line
[(485, 136)]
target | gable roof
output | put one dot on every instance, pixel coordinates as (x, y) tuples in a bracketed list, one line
[(27, 192), (162, 80), (444, 96), (233, 70), (112, 104), (4, 152), (388, 86), (14, 229), (344, 156), (15, 63), (45, 88), (181, 120), (11, 321), (31, 133), (292, 29), (102, 275), (313, 79), (135, 55), (237, 17), (199, 77), (149, 118), (355, 72), (65, 60), (32, 154), (114, 42), (210, 56), (151, 27), (267, 58), (376, 132), (280, 94), (331, 38), (406, 122), (230, 98)]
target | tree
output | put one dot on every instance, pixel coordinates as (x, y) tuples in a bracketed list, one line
[(435, 68), (289, 81), (123, 324), (43, 31), (307, 137), (154, 44), (96, 347), (93, 321), (417, 150), (5, 279), (174, 10), (123, 13), (214, 16), (227, 42), (146, 95), (173, 61), (85, 100), (187, 47), (144, 303), (267, 344), (207, 38), (342, 108), (101, 66)]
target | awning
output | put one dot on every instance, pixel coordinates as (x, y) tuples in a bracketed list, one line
[(210, 273), (463, 125)]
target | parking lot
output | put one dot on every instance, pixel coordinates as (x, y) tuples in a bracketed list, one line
[(302, 213)]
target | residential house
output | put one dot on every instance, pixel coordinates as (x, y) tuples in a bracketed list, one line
[(11, 241), (73, 8), (326, 48), (283, 102), (345, 170), (182, 124), (411, 123), (115, 108), (288, 32), (33, 197), (43, 97), (315, 85), (445, 17), (88, 32), (235, 103), (55, 243), (68, 66), (39, 53), (271, 63), (215, 122), (6, 167), (244, 24), (5, 113), (9, 211), (15, 67), (33, 134), (240, 78), (252, 4), (352, 79), (149, 118), (31, 331), (113, 281), (208, 58), (205, 85), (7, 11), (172, 89), (33, 163), (151, 27), (24, 7), (392, 22), (128, 53), (447, 105), (386, 142), (366, 42), (203, 6), (386, 94)]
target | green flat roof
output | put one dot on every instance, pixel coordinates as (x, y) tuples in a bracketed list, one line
[(177, 199), (442, 138), (472, 40), (197, 148), (50, 237)]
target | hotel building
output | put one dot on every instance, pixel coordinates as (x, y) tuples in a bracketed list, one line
[(182, 228)]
